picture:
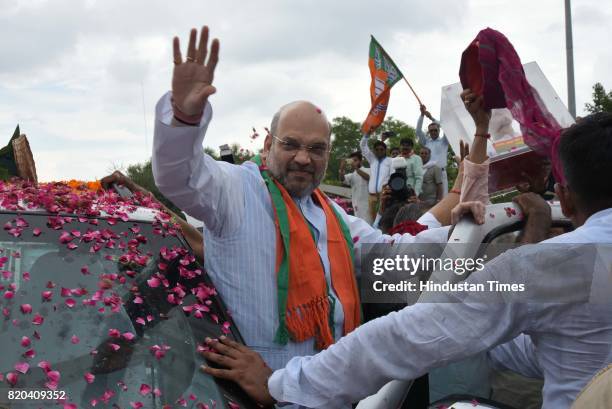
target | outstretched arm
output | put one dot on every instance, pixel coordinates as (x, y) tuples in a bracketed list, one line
[(365, 150), (448, 327), (206, 189)]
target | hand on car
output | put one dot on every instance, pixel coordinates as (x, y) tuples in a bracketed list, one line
[(244, 366), (476, 209), (120, 179), (532, 204)]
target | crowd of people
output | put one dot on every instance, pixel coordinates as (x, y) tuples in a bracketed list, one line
[(423, 173), (284, 257)]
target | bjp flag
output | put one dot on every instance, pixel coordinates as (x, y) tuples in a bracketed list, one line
[(384, 75)]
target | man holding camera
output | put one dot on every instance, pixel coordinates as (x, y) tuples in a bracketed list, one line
[(357, 180)]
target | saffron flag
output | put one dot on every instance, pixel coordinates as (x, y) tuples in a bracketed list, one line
[(384, 75)]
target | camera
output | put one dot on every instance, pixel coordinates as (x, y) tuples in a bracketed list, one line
[(400, 190), (226, 154)]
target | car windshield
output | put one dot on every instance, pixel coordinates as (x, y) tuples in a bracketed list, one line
[(109, 311)]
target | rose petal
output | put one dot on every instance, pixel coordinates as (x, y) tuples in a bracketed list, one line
[(25, 341), (44, 365), (74, 339), (46, 295), (136, 405), (12, 378), (114, 333), (53, 376), (26, 308), (89, 377), (22, 367), (38, 319), (26, 276), (70, 302), (36, 232), (29, 354), (144, 389), (128, 336)]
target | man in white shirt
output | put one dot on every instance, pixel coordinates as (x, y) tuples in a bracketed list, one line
[(236, 205), (414, 168), (438, 145), (358, 181), (565, 309), (380, 169)]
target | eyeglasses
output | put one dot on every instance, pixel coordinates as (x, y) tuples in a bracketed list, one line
[(317, 151)]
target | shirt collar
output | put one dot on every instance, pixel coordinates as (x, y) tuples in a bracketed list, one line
[(598, 217)]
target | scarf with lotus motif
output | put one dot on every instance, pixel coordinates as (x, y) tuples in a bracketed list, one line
[(305, 308)]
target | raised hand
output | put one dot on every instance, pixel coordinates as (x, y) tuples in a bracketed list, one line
[(474, 105), (192, 79)]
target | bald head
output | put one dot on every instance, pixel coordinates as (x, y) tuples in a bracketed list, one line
[(301, 111)]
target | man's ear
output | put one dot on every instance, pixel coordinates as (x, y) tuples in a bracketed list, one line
[(566, 200), (267, 143)]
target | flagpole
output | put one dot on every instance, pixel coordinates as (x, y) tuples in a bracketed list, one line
[(411, 89)]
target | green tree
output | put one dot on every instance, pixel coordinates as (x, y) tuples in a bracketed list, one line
[(602, 101), (345, 140)]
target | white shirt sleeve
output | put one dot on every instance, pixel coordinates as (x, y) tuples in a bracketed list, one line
[(362, 232), (209, 190), (366, 152), (403, 345), (348, 179)]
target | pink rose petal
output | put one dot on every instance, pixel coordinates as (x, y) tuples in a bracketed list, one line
[(38, 319), (26, 276), (144, 389), (114, 347), (70, 302), (46, 295), (114, 333), (22, 367), (29, 354), (12, 378), (36, 232), (26, 308), (136, 405), (128, 336), (53, 376), (74, 339), (25, 341), (89, 377), (44, 365)]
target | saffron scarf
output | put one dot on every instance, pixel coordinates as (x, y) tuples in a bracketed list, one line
[(304, 307)]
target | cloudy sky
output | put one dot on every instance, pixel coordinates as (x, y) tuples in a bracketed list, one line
[(82, 77)]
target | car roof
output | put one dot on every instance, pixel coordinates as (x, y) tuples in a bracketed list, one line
[(75, 198)]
